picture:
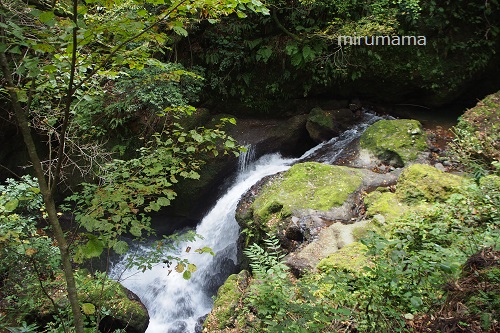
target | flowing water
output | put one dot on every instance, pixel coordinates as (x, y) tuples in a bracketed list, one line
[(175, 305)]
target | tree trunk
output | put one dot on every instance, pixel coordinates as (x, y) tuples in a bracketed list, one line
[(47, 195)]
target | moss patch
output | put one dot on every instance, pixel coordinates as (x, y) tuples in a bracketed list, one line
[(420, 182), (350, 258), (385, 204), (228, 298), (321, 117), (394, 141), (308, 185)]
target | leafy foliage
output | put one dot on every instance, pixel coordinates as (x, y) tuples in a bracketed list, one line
[(281, 304), (148, 93), (131, 189)]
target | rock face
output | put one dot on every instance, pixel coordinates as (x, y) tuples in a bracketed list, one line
[(322, 125), (395, 142)]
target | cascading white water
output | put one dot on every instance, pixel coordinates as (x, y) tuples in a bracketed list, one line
[(175, 304)]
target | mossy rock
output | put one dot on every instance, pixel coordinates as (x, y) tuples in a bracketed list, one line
[(385, 204), (124, 308), (307, 185), (223, 312), (396, 142), (351, 258), (325, 124), (423, 183), (477, 140)]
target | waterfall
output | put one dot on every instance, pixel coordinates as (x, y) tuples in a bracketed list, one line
[(246, 158), (174, 304)]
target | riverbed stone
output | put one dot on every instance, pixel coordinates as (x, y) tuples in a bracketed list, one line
[(395, 142), (384, 207)]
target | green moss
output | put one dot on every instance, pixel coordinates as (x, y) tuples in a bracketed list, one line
[(351, 258), (394, 141), (308, 185), (321, 117), (423, 183), (385, 204), (228, 297)]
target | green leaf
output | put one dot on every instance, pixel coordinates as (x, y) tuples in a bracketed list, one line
[(416, 302), (180, 31), (15, 50), (120, 247), (88, 308), (11, 205), (48, 18), (93, 248), (162, 201), (205, 249), (136, 230)]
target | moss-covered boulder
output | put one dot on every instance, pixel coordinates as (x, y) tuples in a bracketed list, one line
[(423, 183), (283, 200), (123, 309), (307, 185), (322, 124), (394, 142), (351, 258), (477, 142), (223, 313)]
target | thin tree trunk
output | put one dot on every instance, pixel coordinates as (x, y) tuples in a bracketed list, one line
[(48, 198)]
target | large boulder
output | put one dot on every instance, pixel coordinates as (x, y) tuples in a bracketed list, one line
[(477, 141), (395, 142), (423, 183), (119, 307), (301, 198), (323, 125), (311, 208)]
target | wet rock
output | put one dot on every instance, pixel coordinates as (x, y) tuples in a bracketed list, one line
[(323, 125), (198, 328), (178, 326)]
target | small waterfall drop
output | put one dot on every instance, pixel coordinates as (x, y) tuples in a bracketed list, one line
[(175, 304)]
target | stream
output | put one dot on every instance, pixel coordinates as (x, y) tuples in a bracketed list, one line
[(176, 305)]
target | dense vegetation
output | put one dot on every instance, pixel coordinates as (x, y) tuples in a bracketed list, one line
[(103, 94)]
